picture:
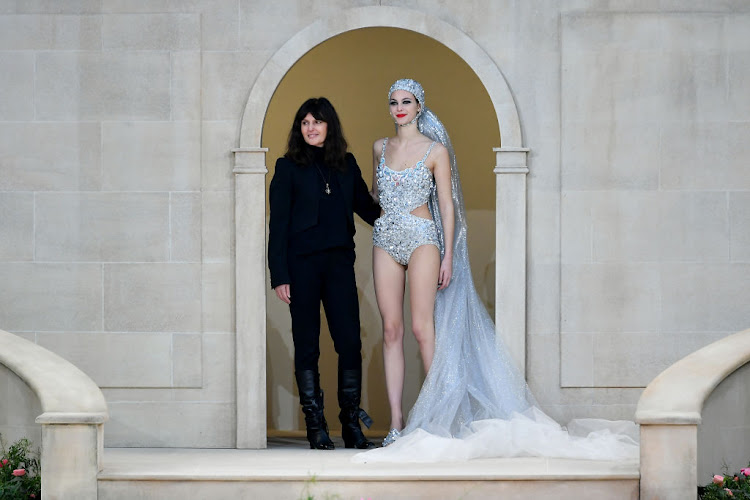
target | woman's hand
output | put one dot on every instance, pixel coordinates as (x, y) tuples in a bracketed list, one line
[(446, 272), (282, 292)]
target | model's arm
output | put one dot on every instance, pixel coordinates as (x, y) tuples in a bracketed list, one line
[(442, 172), (377, 148), (280, 200)]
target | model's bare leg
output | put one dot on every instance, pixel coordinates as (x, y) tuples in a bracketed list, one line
[(389, 277), (424, 268)]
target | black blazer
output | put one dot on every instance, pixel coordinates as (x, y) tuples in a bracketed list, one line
[(294, 197)]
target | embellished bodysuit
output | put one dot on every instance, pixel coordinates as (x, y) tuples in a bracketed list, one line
[(398, 231)]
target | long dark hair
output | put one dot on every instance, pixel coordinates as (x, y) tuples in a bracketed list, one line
[(334, 147)]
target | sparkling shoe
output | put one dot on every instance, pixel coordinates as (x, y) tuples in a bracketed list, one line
[(393, 435)]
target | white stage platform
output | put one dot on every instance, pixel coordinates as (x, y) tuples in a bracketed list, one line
[(289, 470)]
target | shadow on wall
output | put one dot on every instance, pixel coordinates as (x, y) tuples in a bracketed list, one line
[(20, 408), (724, 431)]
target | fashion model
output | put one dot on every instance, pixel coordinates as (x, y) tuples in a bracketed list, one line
[(474, 402), (407, 169)]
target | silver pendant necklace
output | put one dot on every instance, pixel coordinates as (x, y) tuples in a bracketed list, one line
[(328, 187)]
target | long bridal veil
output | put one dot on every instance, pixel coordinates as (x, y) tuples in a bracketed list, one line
[(474, 401)]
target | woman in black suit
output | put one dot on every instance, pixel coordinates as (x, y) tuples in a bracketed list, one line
[(316, 188)]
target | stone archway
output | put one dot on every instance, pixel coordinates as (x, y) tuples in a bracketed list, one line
[(250, 200)]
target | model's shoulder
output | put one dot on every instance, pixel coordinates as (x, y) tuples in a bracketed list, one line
[(438, 149), (438, 155), (378, 144)]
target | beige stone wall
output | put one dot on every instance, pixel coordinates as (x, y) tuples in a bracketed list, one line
[(106, 203), (116, 192), (654, 178)]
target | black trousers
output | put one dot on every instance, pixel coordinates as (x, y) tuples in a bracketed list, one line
[(326, 276)]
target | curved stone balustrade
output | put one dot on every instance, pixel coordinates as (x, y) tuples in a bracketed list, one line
[(669, 412), (74, 411)]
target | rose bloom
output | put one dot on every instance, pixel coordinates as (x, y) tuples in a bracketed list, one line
[(718, 479), (746, 471), (5, 461), (729, 492), (19, 472)]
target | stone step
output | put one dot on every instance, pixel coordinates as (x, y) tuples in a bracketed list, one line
[(290, 471)]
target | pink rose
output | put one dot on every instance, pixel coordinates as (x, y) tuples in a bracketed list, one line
[(19, 472), (5, 461), (746, 471), (729, 492), (718, 479)]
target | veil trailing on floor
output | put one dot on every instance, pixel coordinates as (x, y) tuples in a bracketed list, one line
[(474, 401)]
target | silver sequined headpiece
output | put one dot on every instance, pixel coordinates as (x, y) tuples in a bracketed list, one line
[(408, 85), (413, 87)]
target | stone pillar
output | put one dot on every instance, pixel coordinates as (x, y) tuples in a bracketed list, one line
[(250, 295), (669, 461), (72, 445), (510, 250)]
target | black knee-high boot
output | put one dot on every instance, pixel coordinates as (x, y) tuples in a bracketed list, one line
[(350, 390), (311, 399)]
